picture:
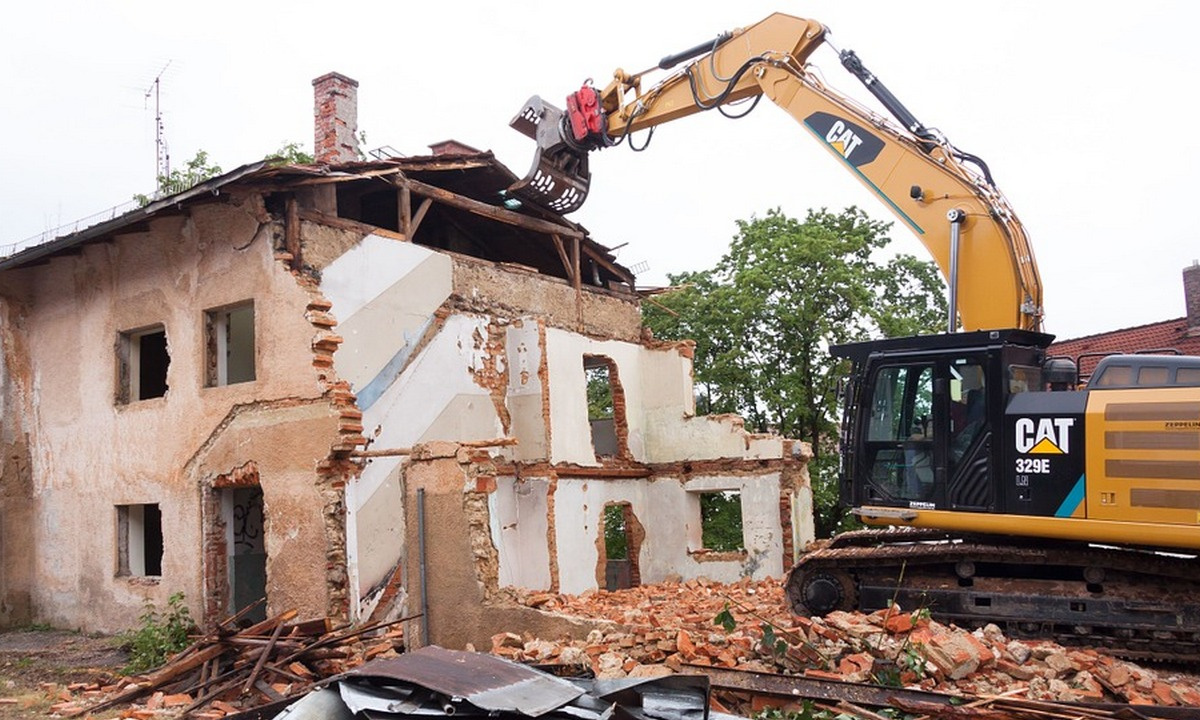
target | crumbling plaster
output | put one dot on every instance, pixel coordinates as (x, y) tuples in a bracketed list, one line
[(211, 256), (466, 602), (666, 506), (16, 478), (659, 406), (429, 345)]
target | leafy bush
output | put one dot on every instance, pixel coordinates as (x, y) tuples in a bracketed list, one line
[(160, 635)]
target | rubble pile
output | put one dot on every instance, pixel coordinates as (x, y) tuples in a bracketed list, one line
[(670, 625), (232, 670)]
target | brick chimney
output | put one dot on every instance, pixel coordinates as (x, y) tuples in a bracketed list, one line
[(1191, 296), (335, 113)]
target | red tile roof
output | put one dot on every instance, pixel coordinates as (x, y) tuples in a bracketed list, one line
[(1154, 336)]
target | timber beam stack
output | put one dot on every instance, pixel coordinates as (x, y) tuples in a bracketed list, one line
[(233, 670)]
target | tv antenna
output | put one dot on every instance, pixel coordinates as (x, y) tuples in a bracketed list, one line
[(162, 156)]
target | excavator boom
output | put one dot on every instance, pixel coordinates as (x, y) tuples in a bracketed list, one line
[(942, 195)]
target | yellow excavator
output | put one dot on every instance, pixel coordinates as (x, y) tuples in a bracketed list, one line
[(1005, 492)]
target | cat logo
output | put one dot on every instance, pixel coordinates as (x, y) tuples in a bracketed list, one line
[(842, 139), (1046, 436), (853, 142)]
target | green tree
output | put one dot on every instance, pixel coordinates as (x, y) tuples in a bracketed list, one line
[(194, 172), (721, 521), (764, 318), (291, 153)]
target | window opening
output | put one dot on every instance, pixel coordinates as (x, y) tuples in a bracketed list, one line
[(721, 521), (1115, 375), (230, 345), (139, 540), (598, 372), (621, 547), (144, 360)]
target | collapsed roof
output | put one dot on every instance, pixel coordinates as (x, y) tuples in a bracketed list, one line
[(451, 202)]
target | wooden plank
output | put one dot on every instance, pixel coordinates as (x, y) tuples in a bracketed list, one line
[(577, 280), (562, 256), (416, 221), (262, 659), (393, 452), (270, 623), (168, 673), (405, 209), (346, 224), (493, 212), (267, 690), (228, 622)]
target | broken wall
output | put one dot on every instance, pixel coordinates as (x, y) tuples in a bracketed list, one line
[(488, 534), (93, 449), (429, 343), (437, 346), (447, 492)]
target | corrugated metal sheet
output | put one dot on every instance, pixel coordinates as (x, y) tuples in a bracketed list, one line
[(487, 682), (435, 682)]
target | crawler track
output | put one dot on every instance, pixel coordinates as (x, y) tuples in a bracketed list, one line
[(1136, 603)]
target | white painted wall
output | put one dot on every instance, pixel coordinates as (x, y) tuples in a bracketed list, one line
[(669, 511), (525, 388), (659, 406), (519, 526), (384, 294)]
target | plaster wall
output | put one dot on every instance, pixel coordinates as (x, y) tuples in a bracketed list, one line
[(659, 406), (465, 605), (416, 376), (668, 510), (520, 526), (384, 294), (16, 483), (526, 397), (89, 453)]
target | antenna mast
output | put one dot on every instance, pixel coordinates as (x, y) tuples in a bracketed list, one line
[(162, 156)]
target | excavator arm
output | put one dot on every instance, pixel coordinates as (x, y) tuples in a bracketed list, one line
[(942, 195)]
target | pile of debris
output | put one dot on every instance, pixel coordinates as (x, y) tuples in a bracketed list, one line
[(678, 626), (232, 670), (435, 682)]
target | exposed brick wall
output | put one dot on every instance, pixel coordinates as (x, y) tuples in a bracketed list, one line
[(1191, 297), (335, 112), (337, 468)]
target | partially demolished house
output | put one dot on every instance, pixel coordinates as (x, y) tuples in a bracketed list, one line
[(359, 389)]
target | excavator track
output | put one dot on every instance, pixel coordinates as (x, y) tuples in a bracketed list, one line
[(1137, 604)]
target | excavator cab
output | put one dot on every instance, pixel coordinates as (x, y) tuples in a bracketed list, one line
[(922, 416)]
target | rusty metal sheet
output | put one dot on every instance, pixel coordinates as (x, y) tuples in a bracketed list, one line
[(794, 687), (487, 682)]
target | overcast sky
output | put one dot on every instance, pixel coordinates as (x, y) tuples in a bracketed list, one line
[(1083, 110)]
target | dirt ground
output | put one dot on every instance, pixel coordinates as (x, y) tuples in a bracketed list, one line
[(36, 664)]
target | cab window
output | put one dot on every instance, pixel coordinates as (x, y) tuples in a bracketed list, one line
[(899, 436)]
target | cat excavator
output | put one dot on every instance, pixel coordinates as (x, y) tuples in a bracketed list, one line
[(998, 487)]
